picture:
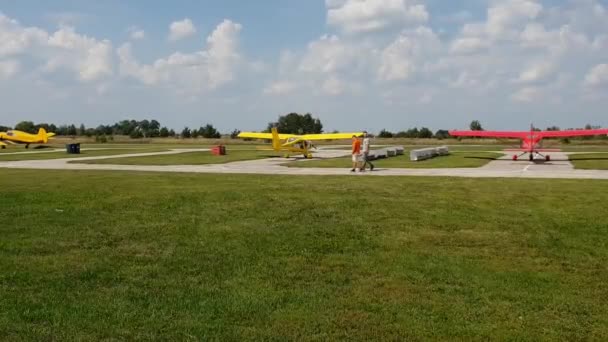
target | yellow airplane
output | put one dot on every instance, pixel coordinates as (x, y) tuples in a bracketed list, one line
[(296, 144), (19, 137)]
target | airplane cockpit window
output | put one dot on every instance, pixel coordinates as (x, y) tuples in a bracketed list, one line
[(9, 133)]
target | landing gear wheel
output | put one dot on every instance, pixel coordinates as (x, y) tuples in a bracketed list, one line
[(309, 156), (531, 157), (547, 158), (515, 157), (27, 146), (3, 147)]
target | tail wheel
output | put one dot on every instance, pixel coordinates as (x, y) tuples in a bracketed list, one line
[(548, 158)]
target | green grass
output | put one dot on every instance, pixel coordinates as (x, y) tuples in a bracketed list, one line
[(590, 161), (584, 148), (94, 255), (188, 158), (458, 159), (39, 155)]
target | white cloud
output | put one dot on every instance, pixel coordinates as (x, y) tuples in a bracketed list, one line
[(16, 39), (328, 54), (203, 70), (181, 29), (333, 86), (527, 94), (136, 33), (536, 73), (402, 57), (597, 76), (354, 16), (468, 45), (280, 88), (89, 58), (8, 68)]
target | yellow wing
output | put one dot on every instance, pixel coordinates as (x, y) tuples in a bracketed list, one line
[(268, 136), (330, 136)]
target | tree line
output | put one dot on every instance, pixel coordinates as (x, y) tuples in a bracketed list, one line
[(132, 128), (292, 123)]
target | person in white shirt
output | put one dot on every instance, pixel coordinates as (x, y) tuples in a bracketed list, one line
[(365, 151)]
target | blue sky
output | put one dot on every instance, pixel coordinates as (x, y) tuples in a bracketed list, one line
[(356, 64)]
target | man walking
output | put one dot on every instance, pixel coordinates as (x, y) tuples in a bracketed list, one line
[(366, 145), (356, 152)]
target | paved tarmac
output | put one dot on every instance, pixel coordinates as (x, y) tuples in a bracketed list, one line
[(559, 167)]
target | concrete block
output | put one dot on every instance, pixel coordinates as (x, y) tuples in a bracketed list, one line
[(428, 153)]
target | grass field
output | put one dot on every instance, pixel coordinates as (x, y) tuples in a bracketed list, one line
[(93, 255), (590, 161), (188, 158), (457, 159)]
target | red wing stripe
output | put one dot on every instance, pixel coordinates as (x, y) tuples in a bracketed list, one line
[(490, 134), (573, 133)]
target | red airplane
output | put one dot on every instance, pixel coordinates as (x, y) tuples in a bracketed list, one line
[(531, 141)]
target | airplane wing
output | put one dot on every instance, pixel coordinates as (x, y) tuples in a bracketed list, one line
[(573, 133), (330, 136), (268, 136), (490, 134)]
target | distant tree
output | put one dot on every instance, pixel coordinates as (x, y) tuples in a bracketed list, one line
[(89, 132), (5, 128), (235, 134), (209, 132), (385, 134), (164, 132), (400, 134), (137, 134), (476, 126), (81, 130), (26, 126), (294, 123), (413, 133), (154, 129), (186, 133), (71, 130), (553, 128), (442, 134), (172, 133), (425, 133), (195, 133), (62, 130), (52, 128)]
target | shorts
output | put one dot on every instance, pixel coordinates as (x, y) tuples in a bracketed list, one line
[(357, 158)]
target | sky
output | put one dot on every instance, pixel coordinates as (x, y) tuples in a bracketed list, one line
[(355, 64)]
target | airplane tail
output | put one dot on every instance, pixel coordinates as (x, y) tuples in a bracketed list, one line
[(44, 136), (276, 142)]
